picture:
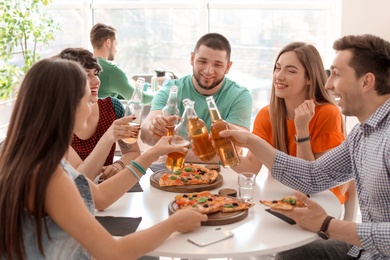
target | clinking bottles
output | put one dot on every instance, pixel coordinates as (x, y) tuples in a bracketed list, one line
[(181, 137), (198, 132), (225, 146), (171, 110), (135, 107)]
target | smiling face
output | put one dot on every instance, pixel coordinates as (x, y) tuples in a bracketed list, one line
[(94, 83), (345, 86), (289, 78), (209, 69)]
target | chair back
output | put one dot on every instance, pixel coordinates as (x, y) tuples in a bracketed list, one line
[(351, 206)]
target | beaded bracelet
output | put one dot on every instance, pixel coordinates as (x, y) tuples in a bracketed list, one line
[(134, 173), (120, 163), (139, 167)]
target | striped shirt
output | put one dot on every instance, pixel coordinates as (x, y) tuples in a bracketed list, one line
[(363, 156)]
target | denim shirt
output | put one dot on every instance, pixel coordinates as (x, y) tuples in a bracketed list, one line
[(60, 245)]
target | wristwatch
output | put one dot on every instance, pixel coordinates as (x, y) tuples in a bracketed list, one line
[(301, 140), (322, 233)]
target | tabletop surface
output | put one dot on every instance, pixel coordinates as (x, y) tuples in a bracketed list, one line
[(259, 233)]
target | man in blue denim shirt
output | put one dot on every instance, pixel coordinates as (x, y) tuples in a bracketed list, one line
[(360, 80)]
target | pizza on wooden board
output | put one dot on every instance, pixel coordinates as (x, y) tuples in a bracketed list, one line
[(190, 174), (286, 203), (208, 203)]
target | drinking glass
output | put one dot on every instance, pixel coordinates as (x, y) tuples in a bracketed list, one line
[(246, 186), (134, 109)]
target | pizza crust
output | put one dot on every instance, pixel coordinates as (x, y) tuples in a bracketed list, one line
[(286, 203)]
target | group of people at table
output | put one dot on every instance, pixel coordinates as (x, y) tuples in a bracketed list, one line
[(60, 141)]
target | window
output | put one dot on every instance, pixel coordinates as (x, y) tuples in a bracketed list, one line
[(162, 34)]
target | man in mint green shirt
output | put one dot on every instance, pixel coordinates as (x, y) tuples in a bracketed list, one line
[(233, 101), (114, 81), (210, 61)]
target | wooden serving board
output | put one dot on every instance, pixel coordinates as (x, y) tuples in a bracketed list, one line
[(217, 218), (155, 177)]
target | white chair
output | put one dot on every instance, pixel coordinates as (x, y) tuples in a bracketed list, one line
[(351, 206)]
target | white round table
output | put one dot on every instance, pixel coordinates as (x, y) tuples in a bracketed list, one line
[(260, 233)]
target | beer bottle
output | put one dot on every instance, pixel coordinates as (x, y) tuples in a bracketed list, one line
[(170, 110), (225, 146), (199, 134), (135, 107), (181, 137)]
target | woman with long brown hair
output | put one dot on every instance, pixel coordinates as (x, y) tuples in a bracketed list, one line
[(46, 206), (302, 118)]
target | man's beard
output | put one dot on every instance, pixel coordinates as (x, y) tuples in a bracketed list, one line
[(206, 87), (110, 57)]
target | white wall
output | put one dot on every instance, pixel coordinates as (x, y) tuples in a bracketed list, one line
[(365, 16)]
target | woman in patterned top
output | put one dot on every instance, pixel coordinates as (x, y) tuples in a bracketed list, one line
[(92, 149)]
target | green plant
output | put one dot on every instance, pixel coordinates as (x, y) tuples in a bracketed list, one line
[(9, 75), (23, 27)]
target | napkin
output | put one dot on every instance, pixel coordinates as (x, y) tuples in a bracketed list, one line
[(119, 226), (282, 217), (136, 188), (157, 166)]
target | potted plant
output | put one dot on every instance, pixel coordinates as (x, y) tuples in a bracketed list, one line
[(23, 28)]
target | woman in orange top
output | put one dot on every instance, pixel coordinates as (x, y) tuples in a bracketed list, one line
[(302, 118)]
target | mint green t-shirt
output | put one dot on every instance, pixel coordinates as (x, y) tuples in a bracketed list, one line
[(115, 83), (234, 102)]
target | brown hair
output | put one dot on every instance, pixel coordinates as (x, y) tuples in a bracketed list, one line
[(39, 134), (82, 56), (215, 41), (314, 70), (100, 33), (370, 54)]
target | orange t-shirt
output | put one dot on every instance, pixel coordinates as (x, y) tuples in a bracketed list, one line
[(324, 127)]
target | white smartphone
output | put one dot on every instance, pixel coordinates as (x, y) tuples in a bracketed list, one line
[(210, 237)]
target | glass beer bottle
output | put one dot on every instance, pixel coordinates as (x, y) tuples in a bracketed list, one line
[(171, 110), (135, 107), (225, 146), (199, 134), (181, 137)]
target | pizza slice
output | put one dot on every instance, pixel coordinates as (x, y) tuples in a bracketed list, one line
[(230, 204), (206, 175), (203, 201), (190, 175), (208, 203), (286, 203)]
